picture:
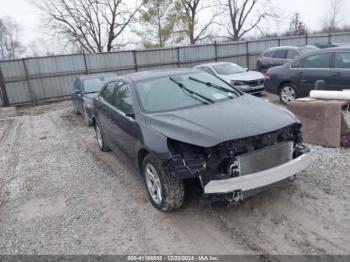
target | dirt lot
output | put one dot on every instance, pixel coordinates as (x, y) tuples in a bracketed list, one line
[(60, 195)]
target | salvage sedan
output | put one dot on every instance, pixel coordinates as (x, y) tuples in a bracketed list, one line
[(187, 124), (86, 88), (251, 82)]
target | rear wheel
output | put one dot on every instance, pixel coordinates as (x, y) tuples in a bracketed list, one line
[(165, 191), (288, 93), (100, 141)]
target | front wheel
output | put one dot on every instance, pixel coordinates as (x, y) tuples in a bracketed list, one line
[(165, 191), (288, 93)]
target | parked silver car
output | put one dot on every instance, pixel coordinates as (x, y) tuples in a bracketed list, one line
[(251, 82)]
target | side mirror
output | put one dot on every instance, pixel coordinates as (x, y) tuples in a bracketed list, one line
[(76, 91), (246, 69)]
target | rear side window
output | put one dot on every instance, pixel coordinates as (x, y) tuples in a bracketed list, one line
[(280, 54), (322, 60), (297, 64), (291, 54), (107, 92), (342, 60), (268, 53)]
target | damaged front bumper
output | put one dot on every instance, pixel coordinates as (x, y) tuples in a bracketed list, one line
[(260, 179)]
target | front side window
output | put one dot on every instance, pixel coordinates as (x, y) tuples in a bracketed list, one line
[(94, 85), (342, 60), (280, 54), (322, 60), (228, 69), (122, 98), (162, 94), (107, 92)]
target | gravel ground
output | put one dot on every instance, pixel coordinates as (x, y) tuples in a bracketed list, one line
[(61, 195)]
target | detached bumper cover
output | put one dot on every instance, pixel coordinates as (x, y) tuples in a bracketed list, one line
[(260, 179)]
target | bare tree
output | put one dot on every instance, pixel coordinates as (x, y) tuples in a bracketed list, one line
[(246, 15), (10, 44), (334, 12), (296, 26), (96, 25), (189, 12)]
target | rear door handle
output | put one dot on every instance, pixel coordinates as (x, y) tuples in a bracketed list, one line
[(338, 74), (300, 73)]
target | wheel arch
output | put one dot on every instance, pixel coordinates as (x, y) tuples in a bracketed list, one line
[(141, 156)]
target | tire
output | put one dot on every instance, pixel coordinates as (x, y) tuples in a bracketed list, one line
[(288, 93), (172, 192), (87, 119), (100, 141)]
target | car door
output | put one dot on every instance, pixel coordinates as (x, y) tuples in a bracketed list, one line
[(124, 128), (76, 96), (340, 78), (314, 68), (103, 110), (278, 58)]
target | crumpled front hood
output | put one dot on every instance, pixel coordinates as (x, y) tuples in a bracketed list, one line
[(210, 125), (245, 76)]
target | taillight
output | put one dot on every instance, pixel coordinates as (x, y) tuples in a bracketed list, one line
[(268, 74)]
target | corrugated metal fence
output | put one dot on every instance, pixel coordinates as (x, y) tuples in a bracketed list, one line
[(32, 80)]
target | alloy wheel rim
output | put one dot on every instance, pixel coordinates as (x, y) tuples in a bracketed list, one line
[(153, 183), (288, 94), (99, 137)]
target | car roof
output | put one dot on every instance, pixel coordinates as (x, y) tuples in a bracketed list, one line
[(214, 64), (145, 75), (291, 47), (85, 77)]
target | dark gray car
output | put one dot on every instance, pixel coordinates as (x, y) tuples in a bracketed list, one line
[(85, 90), (277, 56), (297, 78), (188, 124)]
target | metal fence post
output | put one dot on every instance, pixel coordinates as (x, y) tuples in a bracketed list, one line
[(178, 57), (330, 38), (248, 54), (85, 64), (135, 60), (306, 39), (3, 91), (30, 88), (216, 51)]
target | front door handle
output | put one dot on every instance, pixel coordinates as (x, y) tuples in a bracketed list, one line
[(300, 73), (338, 74)]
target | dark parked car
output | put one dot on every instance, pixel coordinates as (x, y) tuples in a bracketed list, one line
[(277, 56), (188, 124), (297, 78), (85, 89)]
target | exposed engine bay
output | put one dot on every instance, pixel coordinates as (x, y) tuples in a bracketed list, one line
[(235, 158)]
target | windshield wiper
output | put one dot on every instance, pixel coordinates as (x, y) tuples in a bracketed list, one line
[(215, 86), (192, 93)]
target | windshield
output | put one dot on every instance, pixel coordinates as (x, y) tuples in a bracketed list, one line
[(94, 85), (306, 50), (163, 94), (227, 69)]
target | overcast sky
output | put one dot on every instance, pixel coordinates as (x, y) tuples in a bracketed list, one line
[(311, 12)]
